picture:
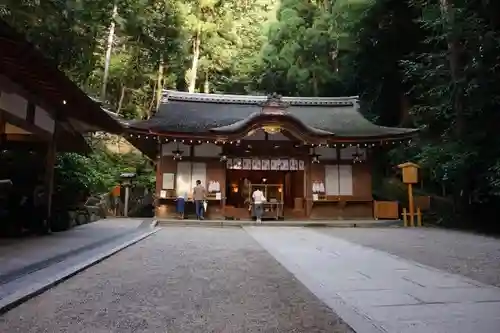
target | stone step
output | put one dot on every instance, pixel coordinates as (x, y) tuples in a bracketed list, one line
[(287, 223)]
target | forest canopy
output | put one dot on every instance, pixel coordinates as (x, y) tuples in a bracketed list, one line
[(429, 64)]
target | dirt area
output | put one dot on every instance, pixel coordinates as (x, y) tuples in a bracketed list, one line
[(180, 280)]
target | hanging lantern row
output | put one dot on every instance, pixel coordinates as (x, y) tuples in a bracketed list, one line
[(315, 158), (357, 157), (237, 142)]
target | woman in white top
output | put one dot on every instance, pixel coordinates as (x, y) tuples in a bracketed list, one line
[(258, 200)]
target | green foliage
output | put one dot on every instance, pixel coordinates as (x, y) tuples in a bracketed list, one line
[(151, 50), (416, 63), (439, 67), (100, 171), (303, 53)]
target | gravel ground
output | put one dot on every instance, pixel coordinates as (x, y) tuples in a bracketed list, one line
[(179, 280), (474, 256)]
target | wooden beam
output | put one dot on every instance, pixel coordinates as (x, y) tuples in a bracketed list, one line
[(25, 125), (49, 175), (21, 137), (30, 113), (2, 127)]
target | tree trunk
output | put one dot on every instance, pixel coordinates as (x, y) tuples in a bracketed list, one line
[(159, 82), (109, 49), (454, 52), (315, 85), (405, 120), (196, 57), (206, 86), (153, 100), (120, 101), (462, 186)]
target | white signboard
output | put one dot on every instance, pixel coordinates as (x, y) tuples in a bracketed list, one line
[(256, 164), (275, 164), (168, 181), (266, 164), (283, 164), (247, 164)]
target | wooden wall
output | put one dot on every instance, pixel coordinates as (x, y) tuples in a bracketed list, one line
[(358, 205), (361, 177), (215, 171)]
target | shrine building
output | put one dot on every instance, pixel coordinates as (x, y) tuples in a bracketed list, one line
[(309, 155)]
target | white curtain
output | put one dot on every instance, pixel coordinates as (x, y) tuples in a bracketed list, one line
[(183, 179), (345, 180), (199, 172), (332, 179), (338, 180)]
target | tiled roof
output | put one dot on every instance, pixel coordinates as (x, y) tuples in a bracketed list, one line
[(21, 62), (205, 113)]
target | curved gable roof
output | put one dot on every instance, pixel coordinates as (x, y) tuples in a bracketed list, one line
[(197, 113)]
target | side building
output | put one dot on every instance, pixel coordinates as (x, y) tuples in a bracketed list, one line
[(311, 156), (42, 112)]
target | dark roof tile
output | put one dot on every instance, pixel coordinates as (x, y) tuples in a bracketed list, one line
[(201, 113)]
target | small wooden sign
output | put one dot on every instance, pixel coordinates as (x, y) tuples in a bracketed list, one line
[(410, 172)]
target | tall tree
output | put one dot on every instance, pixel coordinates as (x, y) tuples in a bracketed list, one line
[(109, 49)]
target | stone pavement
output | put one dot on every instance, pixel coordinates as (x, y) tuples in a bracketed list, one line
[(22, 256), (374, 291), (285, 223), (45, 266), (457, 252)]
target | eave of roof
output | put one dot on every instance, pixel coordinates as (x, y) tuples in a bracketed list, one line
[(25, 65), (202, 115), (175, 95)]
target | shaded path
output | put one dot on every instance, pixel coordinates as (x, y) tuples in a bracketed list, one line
[(25, 255)]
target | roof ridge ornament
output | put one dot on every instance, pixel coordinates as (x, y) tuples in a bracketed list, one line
[(274, 104), (261, 100)]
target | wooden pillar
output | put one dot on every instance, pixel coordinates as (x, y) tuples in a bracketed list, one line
[(2, 128), (158, 170), (411, 205), (49, 174), (159, 177), (308, 187)]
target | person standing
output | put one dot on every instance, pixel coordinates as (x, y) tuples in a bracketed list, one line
[(115, 200), (199, 195), (258, 208), (181, 202)]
